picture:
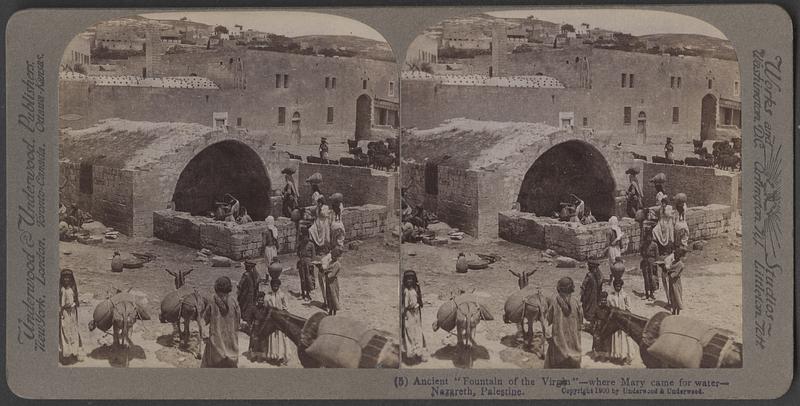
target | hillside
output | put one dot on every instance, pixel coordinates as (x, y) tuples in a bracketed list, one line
[(364, 47), (694, 43)]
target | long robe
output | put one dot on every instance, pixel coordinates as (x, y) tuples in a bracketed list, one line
[(270, 245), (590, 293), (277, 344), (649, 269), (69, 338), (320, 230), (413, 338), (332, 282), (620, 342), (305, 254), (681, 232), (290, 199), (634, 199), (676, 288), (222, 345), (564, 349), (664, 230), (246, 293), (258, 343), (338, 232)]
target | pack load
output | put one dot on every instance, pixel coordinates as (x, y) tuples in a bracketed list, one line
[(524, 301), (683, 342), (446, 315), (341, 342), (103, 315), (172, 303)]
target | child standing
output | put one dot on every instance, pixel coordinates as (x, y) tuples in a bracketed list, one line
[(276, 342), (620, 342), (257, 341), (332, 281)]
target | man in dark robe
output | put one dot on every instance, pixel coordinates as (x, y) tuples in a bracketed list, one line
[(247, 290), (566, 317), (221, 349), (590, 290)]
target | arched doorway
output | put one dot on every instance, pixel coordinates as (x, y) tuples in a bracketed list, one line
[(225, 167), (641, 128), (297, 136), (363, 117), (708, 117), (572, 167)]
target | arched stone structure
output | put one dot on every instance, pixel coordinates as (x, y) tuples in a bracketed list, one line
[(228, 166), (570, 167), (708, 117)]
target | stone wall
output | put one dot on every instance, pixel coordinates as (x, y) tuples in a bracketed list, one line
[(358, 185), (701, 185), (590, 241), (240, 241), (111, 199)]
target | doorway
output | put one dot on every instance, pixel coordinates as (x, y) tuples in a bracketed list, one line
[(296, 135), (708, 117), (363, 117), (641, 128)]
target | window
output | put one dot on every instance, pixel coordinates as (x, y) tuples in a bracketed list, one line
[(327, 82), (364, 83), (624, 79), (586, 121), (333, 83), (679, 82), (630, 80), (281, 115), (330, 115), (672, 82), (736, 90), (238, 121), (277, 80), (710, 83), (675, 115), (285, 81), (626, 115), (727, 116), (391, 88)]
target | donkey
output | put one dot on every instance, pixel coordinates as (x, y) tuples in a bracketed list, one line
[(468, 315), (192, 307), (535, 307)]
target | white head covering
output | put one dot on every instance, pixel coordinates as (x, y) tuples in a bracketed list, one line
[(271, 225), (614, 223)]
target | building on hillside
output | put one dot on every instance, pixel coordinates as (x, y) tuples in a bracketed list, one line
[(423, 49), (289, 98), (78, 52), (460, 37), (618, 96), (118, 37)]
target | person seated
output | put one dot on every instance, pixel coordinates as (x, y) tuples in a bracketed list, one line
[(244, 218)]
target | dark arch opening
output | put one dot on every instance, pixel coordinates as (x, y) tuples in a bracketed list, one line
[(708, 117), (363, 117), (572, 167), (225, 167)]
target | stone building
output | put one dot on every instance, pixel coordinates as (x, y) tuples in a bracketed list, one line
[(468, 171), (78, 52), (424, 49), (290, 98), (118, 37), (122, 172), (628, 97)]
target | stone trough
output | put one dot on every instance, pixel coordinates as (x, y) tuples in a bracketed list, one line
[(590, 241), (242, 241)]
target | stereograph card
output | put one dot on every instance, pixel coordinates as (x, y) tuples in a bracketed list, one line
[(447, 202)]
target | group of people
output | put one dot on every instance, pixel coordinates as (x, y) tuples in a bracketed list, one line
[(231, 210), (575, 211), (414, 219)]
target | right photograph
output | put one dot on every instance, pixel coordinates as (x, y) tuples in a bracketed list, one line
[(571, 192)]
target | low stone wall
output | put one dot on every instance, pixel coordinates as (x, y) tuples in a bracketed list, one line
[(241, 241), (590, 241)]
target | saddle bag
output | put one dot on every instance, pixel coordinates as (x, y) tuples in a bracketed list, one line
[(342, 342), (521, 302)]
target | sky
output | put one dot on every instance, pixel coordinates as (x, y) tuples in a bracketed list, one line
[(636, 22), (288, 23)]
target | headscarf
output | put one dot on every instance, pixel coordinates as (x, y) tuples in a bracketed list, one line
[(222, 287), (413, 276), (67, 273), (565, 288), (271, 226), (614, 223), (664, 231)]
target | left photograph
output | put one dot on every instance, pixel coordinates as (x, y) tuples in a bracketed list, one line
[(228, 185)]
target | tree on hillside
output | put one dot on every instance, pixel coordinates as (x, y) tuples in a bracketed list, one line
[(567, 28), (220, 29), (184, 18)]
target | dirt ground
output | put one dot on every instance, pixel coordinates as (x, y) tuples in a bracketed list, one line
[(712, 284), (368, 288)]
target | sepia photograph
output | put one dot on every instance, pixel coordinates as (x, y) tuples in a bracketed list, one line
[(571, 192), (228, 187)]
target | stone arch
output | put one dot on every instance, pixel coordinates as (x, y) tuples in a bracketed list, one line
[(228, 166), (363, 117), (570, 167)]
